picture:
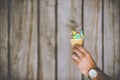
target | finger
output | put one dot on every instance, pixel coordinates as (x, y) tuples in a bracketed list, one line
[(78, 52), (75, 61), (75, 58), (82, 49)]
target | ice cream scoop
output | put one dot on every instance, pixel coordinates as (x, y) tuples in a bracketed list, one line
[(77, 38)]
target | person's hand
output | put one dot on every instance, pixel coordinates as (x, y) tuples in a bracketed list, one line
[(83, 59)]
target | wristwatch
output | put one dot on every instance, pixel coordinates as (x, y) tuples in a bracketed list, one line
[(92, 73)]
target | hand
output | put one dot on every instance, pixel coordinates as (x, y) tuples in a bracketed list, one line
[(83, 59)]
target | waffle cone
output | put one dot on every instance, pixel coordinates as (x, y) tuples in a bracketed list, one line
[(76, 41)]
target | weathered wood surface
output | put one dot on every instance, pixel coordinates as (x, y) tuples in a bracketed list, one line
[(23, 39), (93, 29), (3, 40), (40, 37), (116, 39), (69, 11), (111, 37), (47, 40)]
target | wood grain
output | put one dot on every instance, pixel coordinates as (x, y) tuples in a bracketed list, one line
[(108, 38), (111, 37), (116, 11), (69, 17), (23, 39), (93, 29), (40, 30), (3, 40), (47, 40)]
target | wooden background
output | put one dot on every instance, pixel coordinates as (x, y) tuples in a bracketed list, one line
[(35, 37)]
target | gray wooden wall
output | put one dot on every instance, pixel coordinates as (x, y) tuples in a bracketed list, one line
[(35, 37)]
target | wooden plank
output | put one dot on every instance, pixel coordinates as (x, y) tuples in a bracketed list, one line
[(116, 11), (23, 39), (108, 38), (69, 14), (111, 37), (93, 29), (47, 40), (3, 40)]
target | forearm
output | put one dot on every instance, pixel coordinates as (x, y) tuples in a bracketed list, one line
[(102, 76)]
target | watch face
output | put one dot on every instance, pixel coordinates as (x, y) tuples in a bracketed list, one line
[(92, 73)]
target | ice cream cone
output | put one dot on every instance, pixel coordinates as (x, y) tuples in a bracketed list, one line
[(76, 41)]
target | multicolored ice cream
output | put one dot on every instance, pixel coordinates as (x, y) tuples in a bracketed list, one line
[(77, 38)]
